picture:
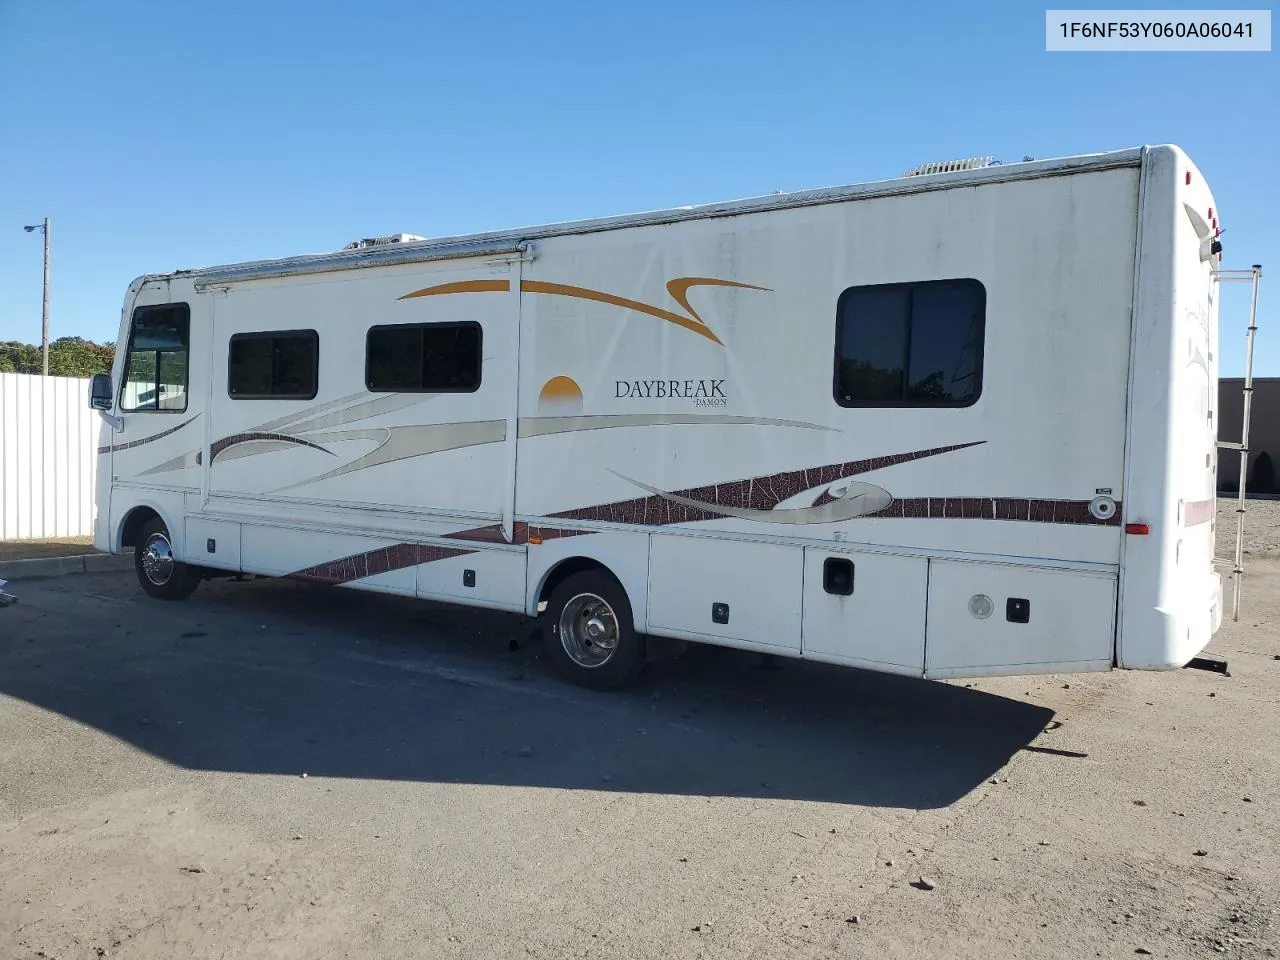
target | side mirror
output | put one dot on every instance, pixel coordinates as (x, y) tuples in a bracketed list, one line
[(100, 391)]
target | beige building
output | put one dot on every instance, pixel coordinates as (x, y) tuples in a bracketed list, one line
[(1264, 427)]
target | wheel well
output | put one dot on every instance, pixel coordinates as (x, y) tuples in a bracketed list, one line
[(136, 519), (565, 569)]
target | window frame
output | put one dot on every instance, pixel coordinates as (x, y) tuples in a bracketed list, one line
[(140, 311), (904, 403), (424, 326), (313, 335)]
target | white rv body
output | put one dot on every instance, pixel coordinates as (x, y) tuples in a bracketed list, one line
[(659, 397)]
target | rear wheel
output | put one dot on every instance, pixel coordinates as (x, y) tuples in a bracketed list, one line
[(160, 575), (590, 635)]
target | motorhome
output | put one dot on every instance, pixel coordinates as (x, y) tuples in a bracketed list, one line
[(954, 424)]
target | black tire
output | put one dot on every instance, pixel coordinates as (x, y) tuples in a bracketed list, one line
[(159, 574), (581, 597)]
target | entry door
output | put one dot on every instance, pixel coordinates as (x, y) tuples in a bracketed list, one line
[(865, 609)]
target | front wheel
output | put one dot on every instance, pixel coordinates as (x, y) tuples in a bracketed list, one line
[(160, 575), (590, 634)]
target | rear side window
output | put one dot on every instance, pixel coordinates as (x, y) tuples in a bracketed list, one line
[(910, 344), (157, 366), (273, 365), (423, 358)]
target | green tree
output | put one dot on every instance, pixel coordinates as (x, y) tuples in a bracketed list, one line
[(77, 357), (68, 357), (19, 357)]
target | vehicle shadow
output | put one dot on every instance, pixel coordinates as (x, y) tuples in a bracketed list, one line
[(281, 678)]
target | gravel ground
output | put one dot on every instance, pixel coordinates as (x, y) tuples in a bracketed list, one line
[(278, 770), (1261, 528)]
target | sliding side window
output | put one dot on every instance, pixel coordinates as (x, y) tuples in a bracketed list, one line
[(910, 344), (157, 366), (423, 358), (273, 365)]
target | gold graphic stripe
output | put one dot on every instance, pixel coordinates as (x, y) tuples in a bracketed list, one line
[(461, 286), (583, 293), (678, 288)]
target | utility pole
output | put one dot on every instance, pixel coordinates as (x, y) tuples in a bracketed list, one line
[(44, 333), (44, 336)]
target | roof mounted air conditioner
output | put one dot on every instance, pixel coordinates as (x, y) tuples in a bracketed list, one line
[(379, 241), (951, 166)]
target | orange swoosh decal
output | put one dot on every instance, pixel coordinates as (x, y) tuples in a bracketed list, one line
[(583, 293), (461, 286), (678, 288)]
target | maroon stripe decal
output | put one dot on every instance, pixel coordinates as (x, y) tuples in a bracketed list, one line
[(490, 534), (1197, 512), (766, 492), (997, 508), (398, 556), (757, 493), (521, 533), (155, 436)]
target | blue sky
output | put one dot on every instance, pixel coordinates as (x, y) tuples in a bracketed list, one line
[(159, 135)]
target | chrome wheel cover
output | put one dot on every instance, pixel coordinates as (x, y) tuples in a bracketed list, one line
[(157, 559), (588, 630)]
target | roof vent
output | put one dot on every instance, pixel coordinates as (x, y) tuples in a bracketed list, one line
[(950, 166), (381, 241)]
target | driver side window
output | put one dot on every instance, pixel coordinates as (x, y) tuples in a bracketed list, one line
[(158, 363)]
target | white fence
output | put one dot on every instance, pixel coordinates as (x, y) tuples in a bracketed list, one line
[(48, 457)]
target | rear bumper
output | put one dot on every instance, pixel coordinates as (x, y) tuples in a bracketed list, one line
[(1172, 637)]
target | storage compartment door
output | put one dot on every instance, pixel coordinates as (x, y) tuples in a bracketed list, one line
[(490, 576), (865, 609), (213, 543), (726, 589), (992, 618)]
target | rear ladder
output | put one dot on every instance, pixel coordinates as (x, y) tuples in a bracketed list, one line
[(1250, 276)]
